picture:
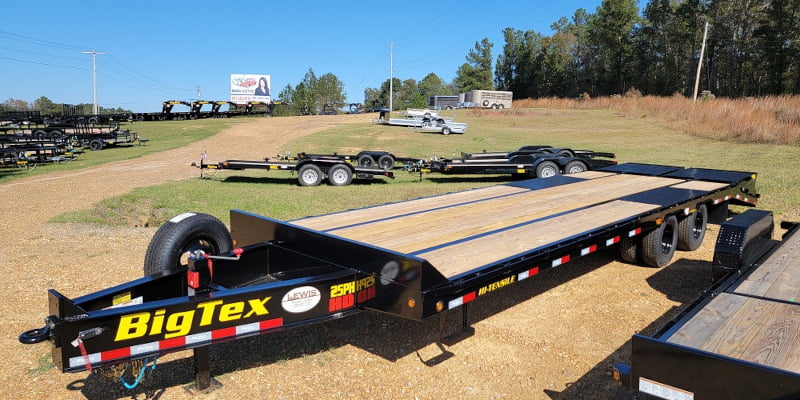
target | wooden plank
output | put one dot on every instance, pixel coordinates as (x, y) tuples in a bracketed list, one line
[(778, 277), (755, 330), (361, 215), (467, 255), (707, 321), (416, 232)]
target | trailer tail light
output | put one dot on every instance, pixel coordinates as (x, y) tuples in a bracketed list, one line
[(439, 306), (411, 302)]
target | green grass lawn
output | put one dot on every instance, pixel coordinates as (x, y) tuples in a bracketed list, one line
[(276, 194)]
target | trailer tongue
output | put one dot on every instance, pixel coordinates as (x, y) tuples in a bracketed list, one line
[(414, 259)]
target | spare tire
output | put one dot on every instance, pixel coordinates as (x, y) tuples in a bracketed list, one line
[(169, 249)]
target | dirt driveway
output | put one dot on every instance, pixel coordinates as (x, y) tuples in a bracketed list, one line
[(554, 337)]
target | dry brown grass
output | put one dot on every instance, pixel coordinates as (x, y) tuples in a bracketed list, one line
[(770, 120)]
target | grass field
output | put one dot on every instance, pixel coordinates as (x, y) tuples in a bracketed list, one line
[(161, 136), (275, 194)]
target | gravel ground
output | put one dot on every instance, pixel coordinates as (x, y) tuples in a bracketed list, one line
[(553, 337)]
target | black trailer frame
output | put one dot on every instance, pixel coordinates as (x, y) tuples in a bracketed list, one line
[(285, 274), (662, 366), (523, 163), (311, 169)]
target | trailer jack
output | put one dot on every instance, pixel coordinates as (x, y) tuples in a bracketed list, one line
[(203, 381), (465, 331)]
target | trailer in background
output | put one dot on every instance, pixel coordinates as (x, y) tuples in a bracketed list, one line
[(497, 99), (430, 122), (313, 169), (443, 102), (524, 163)]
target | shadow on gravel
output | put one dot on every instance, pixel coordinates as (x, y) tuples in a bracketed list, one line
[(682, 281), (392, 337)]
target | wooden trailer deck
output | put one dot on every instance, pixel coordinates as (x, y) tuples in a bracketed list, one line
[(462, 231), (757, 320)]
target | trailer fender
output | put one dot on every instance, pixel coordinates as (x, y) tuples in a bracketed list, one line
[(187, 232)]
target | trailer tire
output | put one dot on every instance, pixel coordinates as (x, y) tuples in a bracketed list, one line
[(575, 167), (546, 169), (309, 175), (365, 161), (386, 162), (692, 229), (629, 249), (446, 131), (658, 245), (340, 175), (39, 134), (486, 103), (168, 250), (96, 145)]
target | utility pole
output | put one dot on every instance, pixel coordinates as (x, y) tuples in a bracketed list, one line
[(198, 92), (391, 51), (700, 63), (94, 54)]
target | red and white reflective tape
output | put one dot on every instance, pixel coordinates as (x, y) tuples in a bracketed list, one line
[(173, 343), (559, 261), (589, 250), (527, 274), (726, 198), (459, 301)]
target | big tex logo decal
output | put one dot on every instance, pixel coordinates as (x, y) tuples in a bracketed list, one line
[(178, 324)]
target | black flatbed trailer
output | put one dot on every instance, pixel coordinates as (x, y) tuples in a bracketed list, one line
[(739, 339), (414, 259), (311, 169), (523, 163), (368, 159)]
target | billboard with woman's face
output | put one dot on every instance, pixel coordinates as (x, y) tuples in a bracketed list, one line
[(250, 87)]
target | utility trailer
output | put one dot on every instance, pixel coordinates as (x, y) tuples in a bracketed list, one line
[(524, 163), (739, 339), (432, 123), (414, 259), (311, 169)]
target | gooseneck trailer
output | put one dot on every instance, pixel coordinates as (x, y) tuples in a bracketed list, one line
[(739, 339), (416, 259)]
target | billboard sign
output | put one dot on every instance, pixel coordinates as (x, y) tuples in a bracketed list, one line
[(250, 87)]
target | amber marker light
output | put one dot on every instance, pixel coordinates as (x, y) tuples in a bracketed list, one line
[(412, 302), (439, 306)]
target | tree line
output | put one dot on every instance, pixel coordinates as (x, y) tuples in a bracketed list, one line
[(752, 48)]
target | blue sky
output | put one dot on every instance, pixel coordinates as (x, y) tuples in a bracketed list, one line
[(164, 50)]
